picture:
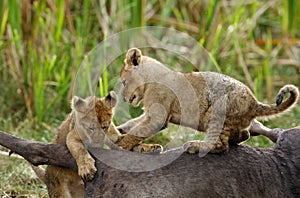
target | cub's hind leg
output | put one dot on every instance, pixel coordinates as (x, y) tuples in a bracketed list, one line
[(58, 183), (221, 144), (237, 136), (214, 143), (217, 137), (228, 137)]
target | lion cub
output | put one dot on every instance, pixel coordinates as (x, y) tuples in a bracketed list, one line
[(206, 101), (89, 121), (80, 125)]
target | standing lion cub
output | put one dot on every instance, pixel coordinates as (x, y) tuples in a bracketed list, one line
[(206, 101)]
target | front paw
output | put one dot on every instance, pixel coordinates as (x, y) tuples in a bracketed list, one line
[(129, 141), (87, 169), (197, 146), (147, 148)]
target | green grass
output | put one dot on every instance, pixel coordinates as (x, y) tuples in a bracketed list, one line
[(19, 179), (43, 43)]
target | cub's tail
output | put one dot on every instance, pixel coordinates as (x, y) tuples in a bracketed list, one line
[(268, 110)]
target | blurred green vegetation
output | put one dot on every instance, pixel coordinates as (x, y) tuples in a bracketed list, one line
[(43, 42)]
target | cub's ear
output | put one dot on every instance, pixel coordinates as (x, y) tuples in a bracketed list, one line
[(110, 100), (133, 57), (78, 104)]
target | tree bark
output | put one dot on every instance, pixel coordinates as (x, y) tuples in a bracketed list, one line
[(39, 153), (243, 172)]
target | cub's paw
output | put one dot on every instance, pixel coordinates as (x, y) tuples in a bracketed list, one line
[(148, 148), (220, 145), (219, 149), (87, 169), (196, 146), (129, 141)]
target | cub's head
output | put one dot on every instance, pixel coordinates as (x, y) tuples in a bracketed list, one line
[(93, 116), (132, 77), (104, 109)]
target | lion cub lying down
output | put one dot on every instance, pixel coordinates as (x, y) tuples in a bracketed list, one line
[(89, 121), (206, 101)]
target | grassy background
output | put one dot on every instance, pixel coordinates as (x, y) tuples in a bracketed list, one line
[(43, 42)]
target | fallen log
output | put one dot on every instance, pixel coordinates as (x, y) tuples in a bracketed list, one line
[(243, 172)]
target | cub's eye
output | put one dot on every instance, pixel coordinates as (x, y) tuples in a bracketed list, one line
[(92, 129), (124, 83)]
